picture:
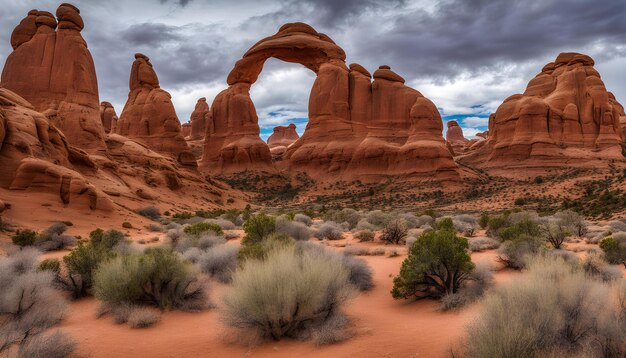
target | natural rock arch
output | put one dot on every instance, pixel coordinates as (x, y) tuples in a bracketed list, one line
[(356, 126)]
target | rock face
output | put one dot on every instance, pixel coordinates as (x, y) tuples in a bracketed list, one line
[(199, 117), (149, 116), (108, 117), (454, 136), (356, 127), (51, 68), (283, 136), (35, 156), (186, 129), (565, 117)]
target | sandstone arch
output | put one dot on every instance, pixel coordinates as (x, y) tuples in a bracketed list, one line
[(356, 126)]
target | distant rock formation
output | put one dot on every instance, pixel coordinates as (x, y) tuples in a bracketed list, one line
[(149, 116), (566, 117), (108, 117), (52, 69), (281, 138), (186, 129), (200, 116), (356, 127), (35, 156)]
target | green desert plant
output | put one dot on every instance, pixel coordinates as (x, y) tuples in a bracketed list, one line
[(257, 227), (197, 229)]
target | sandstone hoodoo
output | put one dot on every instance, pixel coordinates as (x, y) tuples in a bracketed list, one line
[(149, 116), (51, 68), (200, 116), (35, 156), (108, 117), (281, 138), (356, 126), (455, 137), (186, 129), (566, 117)]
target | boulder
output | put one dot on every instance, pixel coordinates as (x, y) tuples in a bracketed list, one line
[(149, 116), (52, 68)]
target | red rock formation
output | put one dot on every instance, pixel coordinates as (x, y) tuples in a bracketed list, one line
[(35, 156), (200, 116), (53, 69), (454, 136), (149, 116), (356, 126), (565, 117), (283, 136), (186, 129), (108, 117)]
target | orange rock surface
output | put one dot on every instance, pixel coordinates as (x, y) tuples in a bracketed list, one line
[(565, 117), (108, 117), (149, 116), (51, 67), (199, 117)]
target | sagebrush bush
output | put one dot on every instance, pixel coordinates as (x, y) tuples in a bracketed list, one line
[(410, 240), (514, 253), (204, 242), (345, 215), (329, 231), (53, 238), (394, 232), (29, 304), (200, 228), (48, 345), (220, 262), (483, 243), (143, 317), (363, 224), (290, 294), (150, 212), (223, 223), (378, 218), (296, 230), (465, 224), (364, 235), (573, 221), (595, 265), (306, 220), (553, 310), (159, 276), (618, 225)]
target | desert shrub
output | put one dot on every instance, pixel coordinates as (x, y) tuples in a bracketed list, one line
[(554, 233), (363, 224), (394, 232), (472, 289), (220, 262), (573, 221), (356, 251), (29, 304), (49, 345), (24, 237), (107, 239), (81, 264), (260, 250), (445, 223), (347, 215), (52, 265), (411, 221), (329, 231), (150, 212), (452, 301), (257, 227), (425, 220), (364, 235), (553, 310), (359, 272), (204, 242), (614, 248), (4, 225), (202, 227), (223, 223), (159, 276), (231, 235), (378, 218), (465, 224), (296, 230), (438, 263), (290, 294), (410, 240), (53, 239), (618, 225), (392, 253), (154, 228), (306, 220), (142, 317), (483, 243), (595, 265), (483, 221), (514, 253)]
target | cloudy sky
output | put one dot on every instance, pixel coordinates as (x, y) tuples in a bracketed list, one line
[(465, 55)]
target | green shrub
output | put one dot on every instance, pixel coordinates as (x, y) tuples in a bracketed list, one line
[(24, 237), (257, 227), (438, 263), (107, 239), (260, 250), (81, 264), (483, 221), (614, 248), (202, 227), (445, 223), (159, 276), (288, 295), (52, 265)]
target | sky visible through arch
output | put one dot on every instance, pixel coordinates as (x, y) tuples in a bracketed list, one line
[(467, 56)]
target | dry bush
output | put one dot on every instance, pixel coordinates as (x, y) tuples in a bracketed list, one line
[(514, 253), (53, 238), (618, 225), (573, 221), (554, 309), (220, 262), (306, 220), (356, 250), (29, 304), (392, 253), (364, 235), (483, 243), (410, 240), (294, 229), (347, 215), (223, 223), (378, 218), (410, 220), (204, 242), (290, 294), (465, 224), (394, 232), (595, 265), (363, 224), (472, 289), (143, 317), (149, 212), (52, 345), (329, 231)]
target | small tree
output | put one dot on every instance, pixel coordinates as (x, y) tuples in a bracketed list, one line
[(555, 234), (614, 248), (438, 263), (257, 227), (394, 232)]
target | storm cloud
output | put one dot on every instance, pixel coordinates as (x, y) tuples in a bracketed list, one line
[(465, 55)]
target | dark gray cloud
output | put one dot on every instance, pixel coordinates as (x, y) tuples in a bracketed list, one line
[(179, 2)]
